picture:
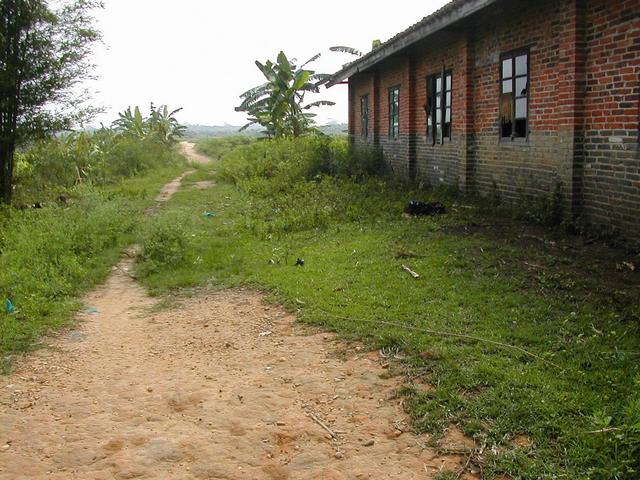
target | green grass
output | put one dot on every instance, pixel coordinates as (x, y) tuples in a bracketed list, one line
[(218, 147), (50, 256), (480, 275)]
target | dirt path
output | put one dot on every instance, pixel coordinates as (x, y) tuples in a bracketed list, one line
[(221, 386), (189, 150)]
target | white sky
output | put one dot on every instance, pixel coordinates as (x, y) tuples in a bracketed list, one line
[(199, 54)]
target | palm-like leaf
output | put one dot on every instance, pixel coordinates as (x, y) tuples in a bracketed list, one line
[(344, 49)]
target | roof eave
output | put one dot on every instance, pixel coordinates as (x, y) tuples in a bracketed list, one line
[(387, 49)]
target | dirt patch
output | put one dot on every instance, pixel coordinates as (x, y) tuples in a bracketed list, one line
[(203, 185), (222, 386), (189, 150)]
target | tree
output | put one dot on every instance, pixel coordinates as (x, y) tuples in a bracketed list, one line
[(43, 59), (278, 104), (161, 124)]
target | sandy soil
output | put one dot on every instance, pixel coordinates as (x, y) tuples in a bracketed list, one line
[(189, 150), (218, 386)]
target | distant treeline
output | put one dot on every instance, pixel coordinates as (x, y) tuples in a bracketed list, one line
[(204, 131)]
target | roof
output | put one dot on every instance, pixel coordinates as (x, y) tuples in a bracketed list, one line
[(449, 14)]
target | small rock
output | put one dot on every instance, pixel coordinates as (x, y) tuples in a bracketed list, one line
[(368, 443), (149, 389), (5, 447), (280, 424), (339, 455)]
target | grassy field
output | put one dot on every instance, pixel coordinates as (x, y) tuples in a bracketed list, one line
[(49, 256), (573, 396)]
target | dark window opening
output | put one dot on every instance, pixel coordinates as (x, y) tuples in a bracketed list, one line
[(514, 95), (394, 112), (364, 116), (439, 107)]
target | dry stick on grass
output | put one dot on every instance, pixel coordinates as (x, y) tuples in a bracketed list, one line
[(411, 272), (454, 335)]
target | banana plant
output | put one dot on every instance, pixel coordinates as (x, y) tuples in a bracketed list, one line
[(161, 124), (132, 123), (164, 125), (278, 104)]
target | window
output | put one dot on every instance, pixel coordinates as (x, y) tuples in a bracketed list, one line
[(364, 116), (514, 95), (439, 107), (394, 112)]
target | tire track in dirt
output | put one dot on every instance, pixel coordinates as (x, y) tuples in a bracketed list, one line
[(220, 386)]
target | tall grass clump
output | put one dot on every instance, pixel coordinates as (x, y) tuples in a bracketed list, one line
[(51, 167), (218, 148), (307, 183)]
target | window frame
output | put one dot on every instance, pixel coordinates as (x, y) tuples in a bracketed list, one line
[(512, 55), (432, 107), (364, 116), (394, 127)]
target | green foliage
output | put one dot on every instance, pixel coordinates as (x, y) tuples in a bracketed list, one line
[(163, 246), (218, 148), (51, 166), (277, 205), (44, 56), (161, 124), (287, 161), (278, 104), (49, 256)]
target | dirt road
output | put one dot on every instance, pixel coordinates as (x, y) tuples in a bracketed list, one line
[(217, 386)]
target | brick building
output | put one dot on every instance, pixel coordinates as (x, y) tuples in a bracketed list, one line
[(521, 96)]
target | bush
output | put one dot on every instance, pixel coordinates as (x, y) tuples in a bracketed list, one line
[(293, 159), (307, 183), (163, 246), (50, 167), (218, 148)]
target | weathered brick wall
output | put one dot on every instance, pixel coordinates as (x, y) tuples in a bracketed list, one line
[(535, 165), (584, 90), (611, 179), (363, 85), (441, 163)]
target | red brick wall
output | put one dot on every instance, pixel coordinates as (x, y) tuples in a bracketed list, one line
[(584, 106), (534, 166), (611, 180)]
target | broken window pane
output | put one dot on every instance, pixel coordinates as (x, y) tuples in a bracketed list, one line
[(520, 128), (506, 128), (521, 86)]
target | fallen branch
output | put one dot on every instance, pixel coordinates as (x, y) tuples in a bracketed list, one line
[(315, 418), (605, 430), (533, 265), (411, 272)]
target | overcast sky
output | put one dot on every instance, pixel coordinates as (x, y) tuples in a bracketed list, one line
[(199, 54)]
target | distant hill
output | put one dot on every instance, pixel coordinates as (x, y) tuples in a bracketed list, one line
[(205, 131)]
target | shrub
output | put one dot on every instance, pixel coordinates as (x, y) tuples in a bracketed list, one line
[(52, 166), (163, 246)]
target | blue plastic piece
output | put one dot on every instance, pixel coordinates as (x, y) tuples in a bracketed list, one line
[(8, 304)]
